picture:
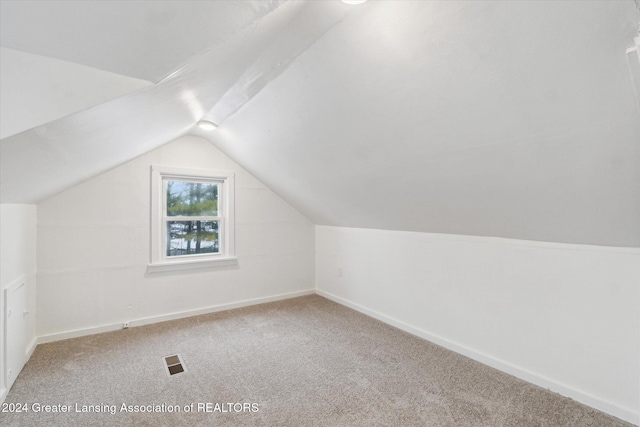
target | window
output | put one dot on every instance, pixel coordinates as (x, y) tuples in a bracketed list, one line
[(192, 220)]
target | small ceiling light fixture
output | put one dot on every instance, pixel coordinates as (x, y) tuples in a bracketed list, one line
[(207, 125), (353, 1)]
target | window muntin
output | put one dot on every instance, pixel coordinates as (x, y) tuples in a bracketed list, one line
[(191, 220)]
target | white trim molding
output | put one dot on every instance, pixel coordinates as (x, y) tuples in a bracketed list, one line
[(561, 316), (524, 374), (159, 261), (171, 316)]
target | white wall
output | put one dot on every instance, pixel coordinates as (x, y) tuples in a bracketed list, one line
[(93, 249), (17, 259), (565, 317)]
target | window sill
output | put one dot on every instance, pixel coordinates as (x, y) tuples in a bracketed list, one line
[(192, 265)]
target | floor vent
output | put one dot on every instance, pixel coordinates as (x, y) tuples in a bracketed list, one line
[(174, 364)]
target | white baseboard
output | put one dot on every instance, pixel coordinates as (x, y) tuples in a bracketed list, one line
[(171, 316), (31, 348), (611, 408), (78, 333), (626, 414)]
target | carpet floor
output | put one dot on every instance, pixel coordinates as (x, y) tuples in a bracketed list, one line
[(301, 362)]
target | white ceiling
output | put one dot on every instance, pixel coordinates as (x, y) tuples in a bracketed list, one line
[(511, 119), (48, 158), (36, 89), (144, 39)]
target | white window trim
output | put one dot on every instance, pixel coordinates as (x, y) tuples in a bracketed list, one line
[(159, 262)]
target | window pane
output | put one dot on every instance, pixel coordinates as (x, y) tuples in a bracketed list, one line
[(192, 237), (192, 198)]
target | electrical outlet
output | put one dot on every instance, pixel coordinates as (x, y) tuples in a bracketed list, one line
[(339, 271), (125, 325)]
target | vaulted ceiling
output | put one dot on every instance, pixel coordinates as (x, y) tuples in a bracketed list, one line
[(509, 119)]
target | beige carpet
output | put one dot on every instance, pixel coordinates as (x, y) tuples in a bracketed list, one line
[(300, 362)]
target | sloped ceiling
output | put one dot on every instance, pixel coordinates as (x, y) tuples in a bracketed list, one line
[(146, 39), (48, 158), (36, 89), (509, 119)]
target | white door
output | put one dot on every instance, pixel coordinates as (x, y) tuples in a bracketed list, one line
[(15, 330)]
